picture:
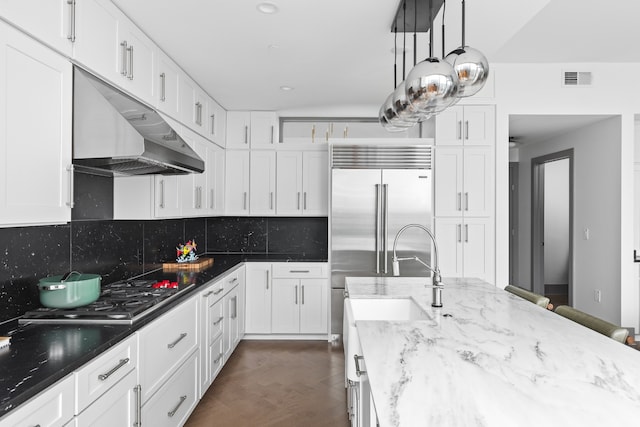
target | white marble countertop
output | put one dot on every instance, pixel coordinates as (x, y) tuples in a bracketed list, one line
[(497, 361)]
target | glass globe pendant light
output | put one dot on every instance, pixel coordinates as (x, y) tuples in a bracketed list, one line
[(470, 65), (432, 85)]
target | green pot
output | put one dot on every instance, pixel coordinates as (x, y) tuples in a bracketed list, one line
[(74, 290)]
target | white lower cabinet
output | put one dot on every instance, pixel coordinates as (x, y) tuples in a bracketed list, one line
[(211, 333), (258, 298), (465, 247), (117, 407), (165, 344), (174, 402), (299, 298), (53, 407)]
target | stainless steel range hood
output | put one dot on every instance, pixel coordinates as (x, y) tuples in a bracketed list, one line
[(113, 134)]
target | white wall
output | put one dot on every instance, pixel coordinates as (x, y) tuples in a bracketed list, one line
[(556, 222), (536, 89)]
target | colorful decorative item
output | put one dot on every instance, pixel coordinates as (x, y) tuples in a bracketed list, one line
[(186, 252)]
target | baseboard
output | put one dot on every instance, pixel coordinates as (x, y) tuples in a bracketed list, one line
[(300, 337)]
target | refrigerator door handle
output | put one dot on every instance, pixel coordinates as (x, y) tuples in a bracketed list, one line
[(385, 235), (378, 219)]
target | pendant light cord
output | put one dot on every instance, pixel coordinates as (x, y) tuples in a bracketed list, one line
[(463, 22), (395, 56), (415, 32), (444, 9), (430, 30), (404, 38)]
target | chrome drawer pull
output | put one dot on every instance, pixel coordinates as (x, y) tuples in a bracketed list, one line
[(182, 399), (173, 344), (217, 322), (235, 279), (298, 271), (123, 362), (217, 359), (218, 291), (207, 294), (138, 391)]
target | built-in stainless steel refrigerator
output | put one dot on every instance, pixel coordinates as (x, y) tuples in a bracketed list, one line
[(375, 191)]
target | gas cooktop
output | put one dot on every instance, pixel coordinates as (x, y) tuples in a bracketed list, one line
[(121, 302)]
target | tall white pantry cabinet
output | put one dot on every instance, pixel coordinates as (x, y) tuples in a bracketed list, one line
[(464, 191)]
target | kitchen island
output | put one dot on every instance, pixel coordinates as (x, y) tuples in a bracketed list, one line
[(490, 358)]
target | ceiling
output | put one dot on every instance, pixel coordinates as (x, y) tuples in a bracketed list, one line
[(530, 129), (338, 54)]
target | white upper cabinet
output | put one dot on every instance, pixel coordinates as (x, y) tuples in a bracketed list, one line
[(34, 82), (215, 169), (236, 194), (50, 21), (216, 123), (256, 129), (308, 132), (193, 105), (168, 95), (262, 183), (466, 125), (194, 185), (110, 45), (302, 183)]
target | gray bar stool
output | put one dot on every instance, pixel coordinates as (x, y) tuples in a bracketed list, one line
[(614, 332), (540, 300)]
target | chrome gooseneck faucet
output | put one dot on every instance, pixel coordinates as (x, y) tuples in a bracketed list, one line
[(437, 284)]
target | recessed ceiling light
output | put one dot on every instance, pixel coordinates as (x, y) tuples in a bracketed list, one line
[(286, 88), (267, 8)]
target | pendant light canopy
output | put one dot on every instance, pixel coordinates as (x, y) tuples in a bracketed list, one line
[(470, 65)]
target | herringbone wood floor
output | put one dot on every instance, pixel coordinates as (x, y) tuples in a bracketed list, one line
[(277, 383)]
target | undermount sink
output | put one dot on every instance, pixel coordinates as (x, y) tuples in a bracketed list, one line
[(391, 309)]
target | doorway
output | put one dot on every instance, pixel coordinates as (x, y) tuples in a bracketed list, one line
[(552, 226)]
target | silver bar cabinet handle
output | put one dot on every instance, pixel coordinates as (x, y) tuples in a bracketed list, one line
[(218, 291), (207, 294), (378, 226), (466, 201), (106, 375), (217, 322), (213, 124), (466, 129), (246, 134), (271, 200), (211, 205), (466, 233), (123, 47), (272, 134), (244, 201), (173, 344), (72, 20), (302, 294), (130, 49), (298, 200), (235, 307), (217, 359), (195, 196), (459, 130), (138, 391), (162, 194), (235, 279), (296, 294), (182, 399), (71, 184), (459, 202), (304, 198), (313, 133), (298, 271), (459, 232), (267, 279), (163, 90)]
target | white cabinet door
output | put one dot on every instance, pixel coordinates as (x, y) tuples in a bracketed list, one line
[(175, 401), (52, 408), (262, 187), (49, 21), (141, 62), (193, 105), (212, 327), (478, 182), (215, 170), (194, 186), (34, 82), (285, 311), (238, 129), (236, 194), (448, 233), (478, 248), (315, 182), (264, 129), (242, 313), (230, 328), (466, 125), (167, 202), (448, 180), (216, 122), (168, 78), (258, 298), (313, 306), (289, 182), (97, 45), (117, 407)]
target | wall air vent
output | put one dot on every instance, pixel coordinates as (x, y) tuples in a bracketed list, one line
[(576, 78)]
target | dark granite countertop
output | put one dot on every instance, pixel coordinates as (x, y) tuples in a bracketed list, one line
[(42, 354)]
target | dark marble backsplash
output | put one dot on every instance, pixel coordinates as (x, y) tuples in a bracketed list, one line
[(122, 249)]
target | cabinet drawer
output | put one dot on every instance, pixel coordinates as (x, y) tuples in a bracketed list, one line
[(98, 376), (214, 292), (176, 399), (216, 357), (216, 319), (53, 407), (165, 344), (299, 270), (117, 407), (230, 281)]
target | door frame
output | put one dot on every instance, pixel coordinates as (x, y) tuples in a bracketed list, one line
[(537, 219), (514, 171)]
